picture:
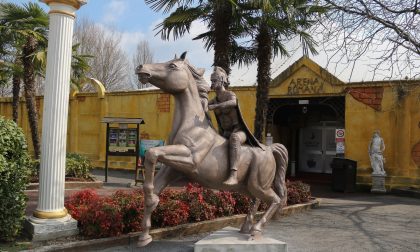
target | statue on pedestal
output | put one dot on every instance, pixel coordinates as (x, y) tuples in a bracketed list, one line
[(195, 151), (376, 149)]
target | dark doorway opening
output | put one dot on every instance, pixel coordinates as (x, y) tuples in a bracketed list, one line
[(306, 126)]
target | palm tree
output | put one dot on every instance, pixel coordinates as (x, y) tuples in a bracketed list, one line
[(27, 25), (270, 23), (273, 23), (219, 16), (79, 66), (25, 30), (11, 66)]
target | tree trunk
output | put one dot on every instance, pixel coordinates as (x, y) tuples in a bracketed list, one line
[(222, 19), (264, 55), (29, 84), (16, 92)]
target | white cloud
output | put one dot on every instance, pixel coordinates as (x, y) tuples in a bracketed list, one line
[(113, 10), (129, 41)]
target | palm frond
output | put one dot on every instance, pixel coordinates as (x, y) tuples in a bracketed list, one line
[(178, 23), (243, 55), (208, 38)]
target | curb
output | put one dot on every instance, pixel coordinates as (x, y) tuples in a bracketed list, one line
[(180, 230), (71, 185), (406, 192)]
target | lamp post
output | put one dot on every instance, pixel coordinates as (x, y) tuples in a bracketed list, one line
[(50, 219)]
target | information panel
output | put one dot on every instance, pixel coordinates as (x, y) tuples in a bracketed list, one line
[(122, 141)]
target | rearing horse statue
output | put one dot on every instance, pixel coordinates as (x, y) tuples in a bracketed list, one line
[(196, 151)]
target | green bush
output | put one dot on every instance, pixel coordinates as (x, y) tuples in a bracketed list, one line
[(14, 173), (78, 166)]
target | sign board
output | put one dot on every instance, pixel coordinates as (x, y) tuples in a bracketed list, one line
[(340, 148), (145, 145), (340, 135), (122, 141)]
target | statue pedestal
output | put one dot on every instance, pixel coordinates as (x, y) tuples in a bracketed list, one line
[(48, 229), (378, 184), (229, 239)]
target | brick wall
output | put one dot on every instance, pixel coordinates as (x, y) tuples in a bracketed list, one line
[(415, 154), (371, 96), (163, 103)]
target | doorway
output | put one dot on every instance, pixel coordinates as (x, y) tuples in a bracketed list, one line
[(307, 128), (317, 148)]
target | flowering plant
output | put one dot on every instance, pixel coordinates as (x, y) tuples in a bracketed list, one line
[(122, 212)]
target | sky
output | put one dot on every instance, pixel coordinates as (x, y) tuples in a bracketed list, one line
[(135, 21)]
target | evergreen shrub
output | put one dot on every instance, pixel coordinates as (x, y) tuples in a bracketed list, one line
[(14, 173), (78, 166), (297, 192)]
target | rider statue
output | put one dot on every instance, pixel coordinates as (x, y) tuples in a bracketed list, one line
[(230, 121), (376, 149)]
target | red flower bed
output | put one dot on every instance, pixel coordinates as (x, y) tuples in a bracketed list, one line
[(131, 207), (297, 192), (80, 201), (171, 210), (103, 218), (122, 212)]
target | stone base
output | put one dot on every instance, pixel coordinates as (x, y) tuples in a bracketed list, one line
[(48, 229), (229, 239), (378, 184)]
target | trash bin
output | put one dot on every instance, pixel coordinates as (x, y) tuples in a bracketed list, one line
[(344, 174)]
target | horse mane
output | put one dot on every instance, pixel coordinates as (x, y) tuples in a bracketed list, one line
[(197, 74)]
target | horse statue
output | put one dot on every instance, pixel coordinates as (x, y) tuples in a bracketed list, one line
[(197, 152)]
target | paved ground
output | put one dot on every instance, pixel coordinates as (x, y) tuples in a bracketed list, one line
[(359, 223), (343, 222), (115, 177)]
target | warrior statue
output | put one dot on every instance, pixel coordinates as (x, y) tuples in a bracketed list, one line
[(195, 151), (376, 149), (230, 121)]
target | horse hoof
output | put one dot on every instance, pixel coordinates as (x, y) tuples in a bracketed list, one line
[(256, 235), (144, 240), (245, 230)]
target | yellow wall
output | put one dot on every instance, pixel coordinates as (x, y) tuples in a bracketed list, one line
[(398, 119), (87, 135)]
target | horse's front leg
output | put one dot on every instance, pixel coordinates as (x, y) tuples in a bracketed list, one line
[(170, 155)]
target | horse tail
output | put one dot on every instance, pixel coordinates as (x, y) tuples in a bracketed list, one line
[(281, 157)]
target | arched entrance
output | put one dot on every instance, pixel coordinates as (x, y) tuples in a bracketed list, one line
[(306, 126)]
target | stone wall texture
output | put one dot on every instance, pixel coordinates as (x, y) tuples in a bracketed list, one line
[(163, 103), (371, 96), (415, 154)]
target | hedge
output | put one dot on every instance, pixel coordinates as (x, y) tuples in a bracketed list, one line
[(14, 173)]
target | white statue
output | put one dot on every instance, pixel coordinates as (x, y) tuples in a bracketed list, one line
[(376, 149)]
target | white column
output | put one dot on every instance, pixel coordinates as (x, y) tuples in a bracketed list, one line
[(56, 102)]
